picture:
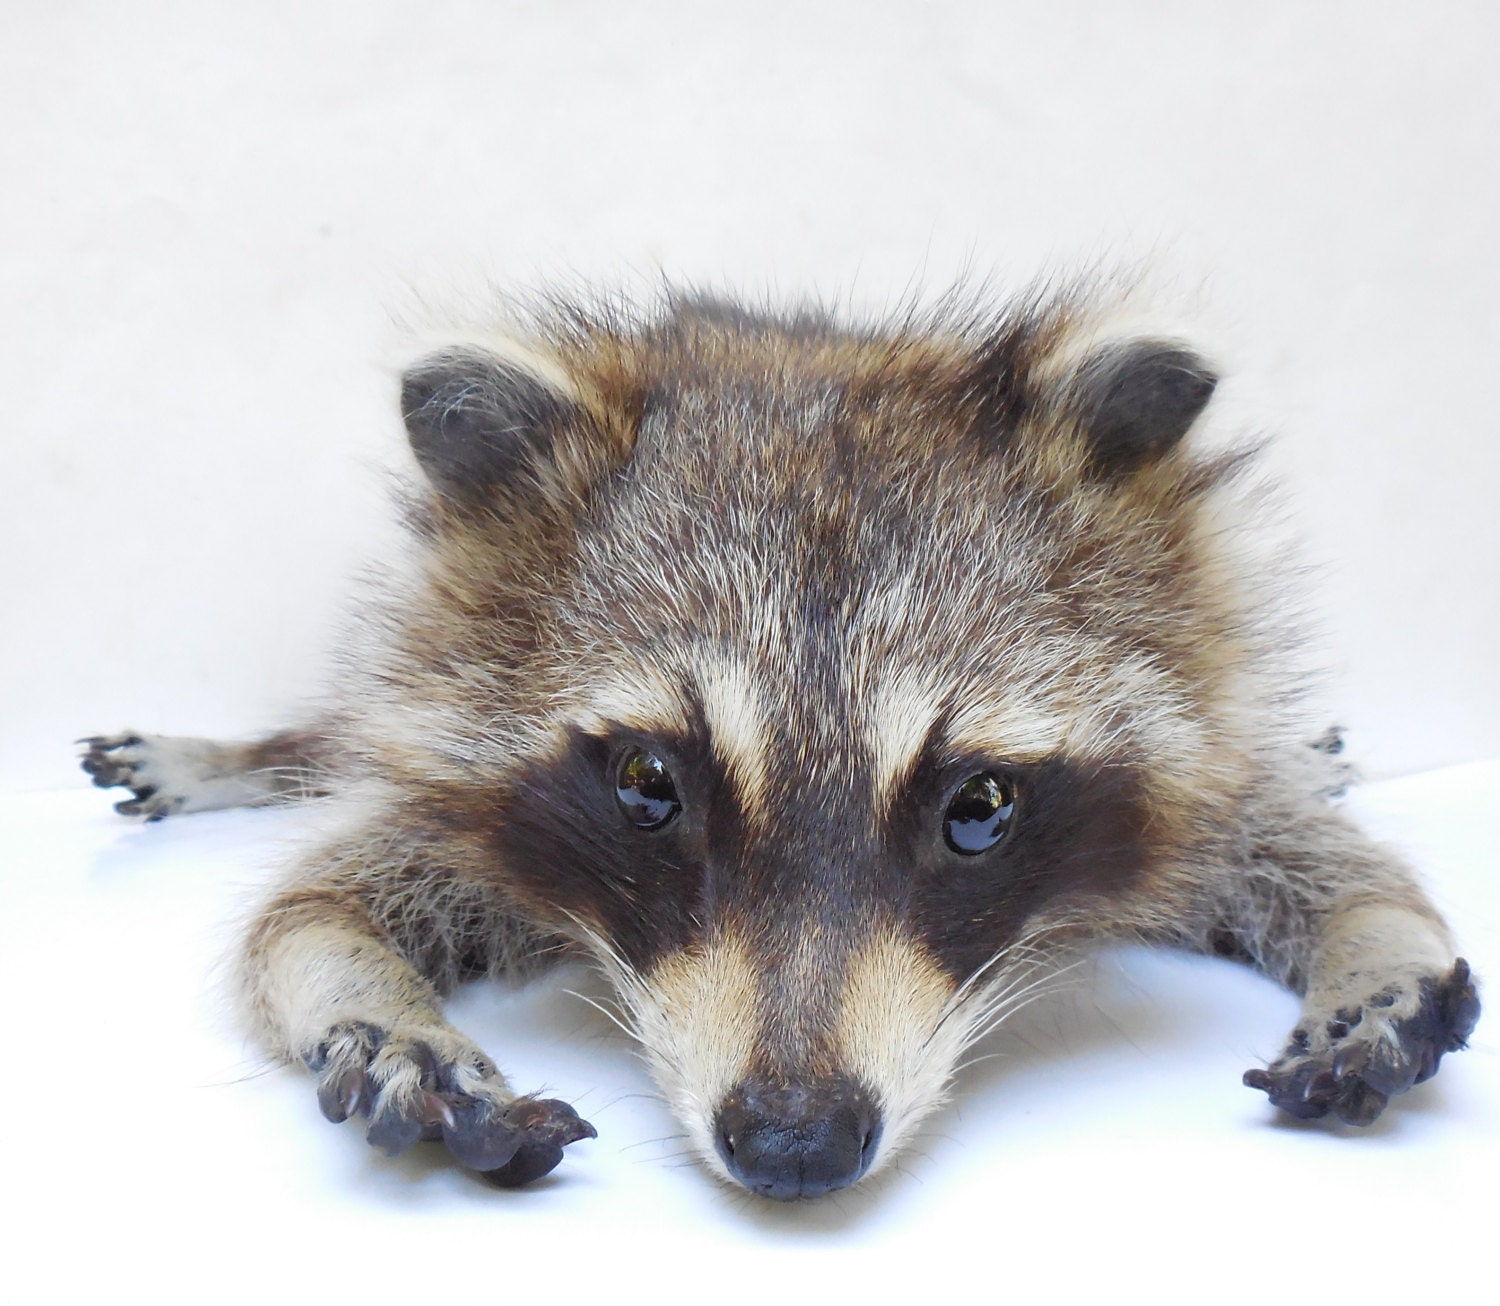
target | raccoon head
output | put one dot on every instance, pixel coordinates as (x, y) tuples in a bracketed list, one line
[(822, 683)]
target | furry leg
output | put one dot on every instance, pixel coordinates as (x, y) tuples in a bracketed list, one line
[(329, 985), (169, 774), (1320, 907)]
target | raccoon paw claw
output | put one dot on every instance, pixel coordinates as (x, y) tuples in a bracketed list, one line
[(1308, 1090), (1351, 1065), (127, 761), (413, 1088)]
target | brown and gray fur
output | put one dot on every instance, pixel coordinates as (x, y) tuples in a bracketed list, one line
[(824, 573)]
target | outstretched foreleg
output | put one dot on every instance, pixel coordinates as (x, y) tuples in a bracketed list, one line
[(167, 774), (1319, 906), (345, 973)]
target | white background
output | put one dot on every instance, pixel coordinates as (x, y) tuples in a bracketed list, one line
[(211, 213)]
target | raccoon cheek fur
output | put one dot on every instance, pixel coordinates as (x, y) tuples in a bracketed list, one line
[(825, 683)]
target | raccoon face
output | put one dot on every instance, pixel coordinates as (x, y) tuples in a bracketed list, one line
[(804, 953), (853, 700)]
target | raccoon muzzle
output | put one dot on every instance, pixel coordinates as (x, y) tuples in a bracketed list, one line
[(791, 1140)]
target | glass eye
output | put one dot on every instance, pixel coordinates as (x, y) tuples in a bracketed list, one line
[(645, 792), (979, 814)]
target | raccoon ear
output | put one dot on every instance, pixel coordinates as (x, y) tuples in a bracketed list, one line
[(1135, 401), (479, 422)]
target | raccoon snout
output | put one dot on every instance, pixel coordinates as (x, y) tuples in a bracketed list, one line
[(787, 1140)]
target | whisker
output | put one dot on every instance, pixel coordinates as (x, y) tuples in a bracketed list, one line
[(974, 1061), (994, 1016), (1022, 951), (603, 1010), (1007, 1004), (650, 1142), (642, 1097)]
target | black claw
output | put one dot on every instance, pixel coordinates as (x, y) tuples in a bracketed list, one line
[(344, 1096), (104, 744), (434, 1113), (550, 1119)]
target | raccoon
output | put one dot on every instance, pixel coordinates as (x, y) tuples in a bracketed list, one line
[(824, 684)]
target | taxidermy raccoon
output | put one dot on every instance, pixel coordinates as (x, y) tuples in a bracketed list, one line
[(822, 683)]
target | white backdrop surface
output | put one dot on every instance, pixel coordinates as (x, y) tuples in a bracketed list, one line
[(211, 211)]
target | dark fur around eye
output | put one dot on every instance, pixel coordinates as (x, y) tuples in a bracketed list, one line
[(1076, 829)]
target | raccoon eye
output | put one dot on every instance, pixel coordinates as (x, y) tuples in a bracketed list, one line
[(645, 792), (979, 813)]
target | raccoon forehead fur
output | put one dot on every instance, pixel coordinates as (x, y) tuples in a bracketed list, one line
[(842, 537), (825, 682)]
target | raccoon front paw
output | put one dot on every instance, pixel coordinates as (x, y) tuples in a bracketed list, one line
[(1351, 1065), (431, 1085), (139, 764)]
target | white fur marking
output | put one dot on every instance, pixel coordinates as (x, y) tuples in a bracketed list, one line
[(736, 717), (902, 715)]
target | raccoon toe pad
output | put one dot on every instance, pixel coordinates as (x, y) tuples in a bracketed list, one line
[(1351, 1065), (414, 1087)]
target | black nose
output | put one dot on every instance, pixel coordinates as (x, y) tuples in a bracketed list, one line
[(789, 1140)]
